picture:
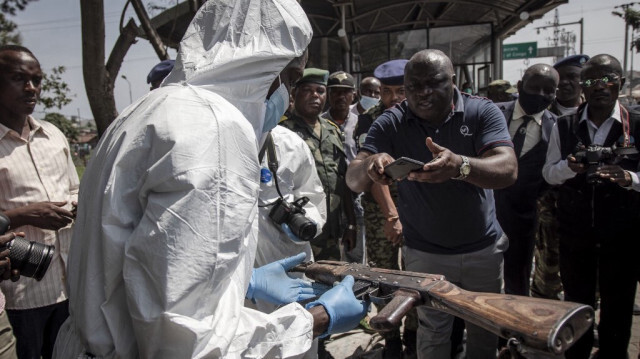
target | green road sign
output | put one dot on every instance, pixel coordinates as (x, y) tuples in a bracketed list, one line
[(522, 50)]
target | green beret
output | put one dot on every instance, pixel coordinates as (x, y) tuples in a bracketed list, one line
[(318, 76)]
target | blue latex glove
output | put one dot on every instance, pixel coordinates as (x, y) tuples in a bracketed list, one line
[(345, 311), (273, 284)]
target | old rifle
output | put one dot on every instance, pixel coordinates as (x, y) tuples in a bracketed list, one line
[(537, 325)]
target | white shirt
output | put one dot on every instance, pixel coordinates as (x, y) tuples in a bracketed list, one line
[(354, 109), (164, 249), (556, 170), (534, 128), (39, 169), (565, 110)]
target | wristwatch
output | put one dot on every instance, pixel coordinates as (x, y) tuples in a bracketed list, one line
[(465, 168)]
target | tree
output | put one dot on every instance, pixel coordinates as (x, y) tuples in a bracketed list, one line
[(8, 33), (63, 124), (99, 77), (10, 6), (55, 92)]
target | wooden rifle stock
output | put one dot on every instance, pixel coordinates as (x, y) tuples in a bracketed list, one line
[(538, 325)]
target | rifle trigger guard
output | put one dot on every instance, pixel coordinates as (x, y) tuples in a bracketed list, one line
[(380, 300)]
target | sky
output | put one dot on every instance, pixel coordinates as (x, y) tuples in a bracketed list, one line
[(51, 29)]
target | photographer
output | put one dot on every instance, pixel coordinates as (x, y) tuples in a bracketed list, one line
[(38, 186), (598, 205), (7, 340)]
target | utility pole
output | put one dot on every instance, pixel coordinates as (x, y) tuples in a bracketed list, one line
[(622, 14), (568, 34)]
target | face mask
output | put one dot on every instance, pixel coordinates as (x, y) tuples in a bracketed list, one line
[(368, 102), (532, 104), (276, 106)]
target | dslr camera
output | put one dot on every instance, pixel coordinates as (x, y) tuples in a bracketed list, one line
[(293, 214), (31, 258), (595, 156)]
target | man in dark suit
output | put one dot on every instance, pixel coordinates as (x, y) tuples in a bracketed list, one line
[(598, 206), (530, 125), (546, 274)]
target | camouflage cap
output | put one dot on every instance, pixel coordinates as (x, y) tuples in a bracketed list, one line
[(341, 79), (314, 75), (502, 85)]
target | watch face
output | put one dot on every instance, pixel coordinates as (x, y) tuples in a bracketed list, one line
[(465, 169)]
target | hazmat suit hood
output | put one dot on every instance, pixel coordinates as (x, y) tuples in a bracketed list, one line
[(236, 48)]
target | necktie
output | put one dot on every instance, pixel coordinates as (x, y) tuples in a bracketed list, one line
[(521, 132)]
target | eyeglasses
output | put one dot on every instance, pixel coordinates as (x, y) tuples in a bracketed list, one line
[(608, 81)]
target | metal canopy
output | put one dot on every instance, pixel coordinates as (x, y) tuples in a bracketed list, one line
[(366, 16)]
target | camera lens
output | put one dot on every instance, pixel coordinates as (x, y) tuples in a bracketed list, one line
[(302, 227), (31, 258)]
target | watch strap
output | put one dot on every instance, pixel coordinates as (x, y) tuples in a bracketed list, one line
[(464, 168)]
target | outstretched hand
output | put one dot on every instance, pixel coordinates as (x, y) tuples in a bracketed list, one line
[(273, 284), (444, 166)]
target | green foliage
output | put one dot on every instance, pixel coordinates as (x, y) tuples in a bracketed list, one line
[(63, 124), (632, 17), (55, 92), (8, 33), (10, 6)]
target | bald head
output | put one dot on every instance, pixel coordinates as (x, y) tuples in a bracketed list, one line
[(429, 84), (541, 70), (431, 58), (605, 61), (369, 81), (370, 86)]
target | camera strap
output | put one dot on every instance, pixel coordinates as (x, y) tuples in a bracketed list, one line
[(272, 159), (624, 118)]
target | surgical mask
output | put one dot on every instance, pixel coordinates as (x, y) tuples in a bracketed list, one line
[(368, 102), (532, 104), (276, 106)]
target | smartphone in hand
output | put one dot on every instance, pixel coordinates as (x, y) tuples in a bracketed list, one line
[(401, 167)]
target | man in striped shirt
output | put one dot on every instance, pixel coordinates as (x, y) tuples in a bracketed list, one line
[(38, 187)]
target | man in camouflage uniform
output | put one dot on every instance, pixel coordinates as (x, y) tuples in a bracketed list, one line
[(546, 275), (341, 90), (382, 225), (326, 144)]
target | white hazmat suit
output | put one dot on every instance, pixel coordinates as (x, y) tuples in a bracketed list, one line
[(297, 177), (166, 234)]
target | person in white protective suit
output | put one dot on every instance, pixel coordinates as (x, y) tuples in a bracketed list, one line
[(295, 177), (162, 255)]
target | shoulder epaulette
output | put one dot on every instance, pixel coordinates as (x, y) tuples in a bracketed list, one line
[(334, 125), (283, 118)]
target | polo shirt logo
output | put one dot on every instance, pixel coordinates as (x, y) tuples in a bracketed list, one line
[(464, 130)]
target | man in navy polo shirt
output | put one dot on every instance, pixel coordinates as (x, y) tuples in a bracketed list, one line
[(447, 208)]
